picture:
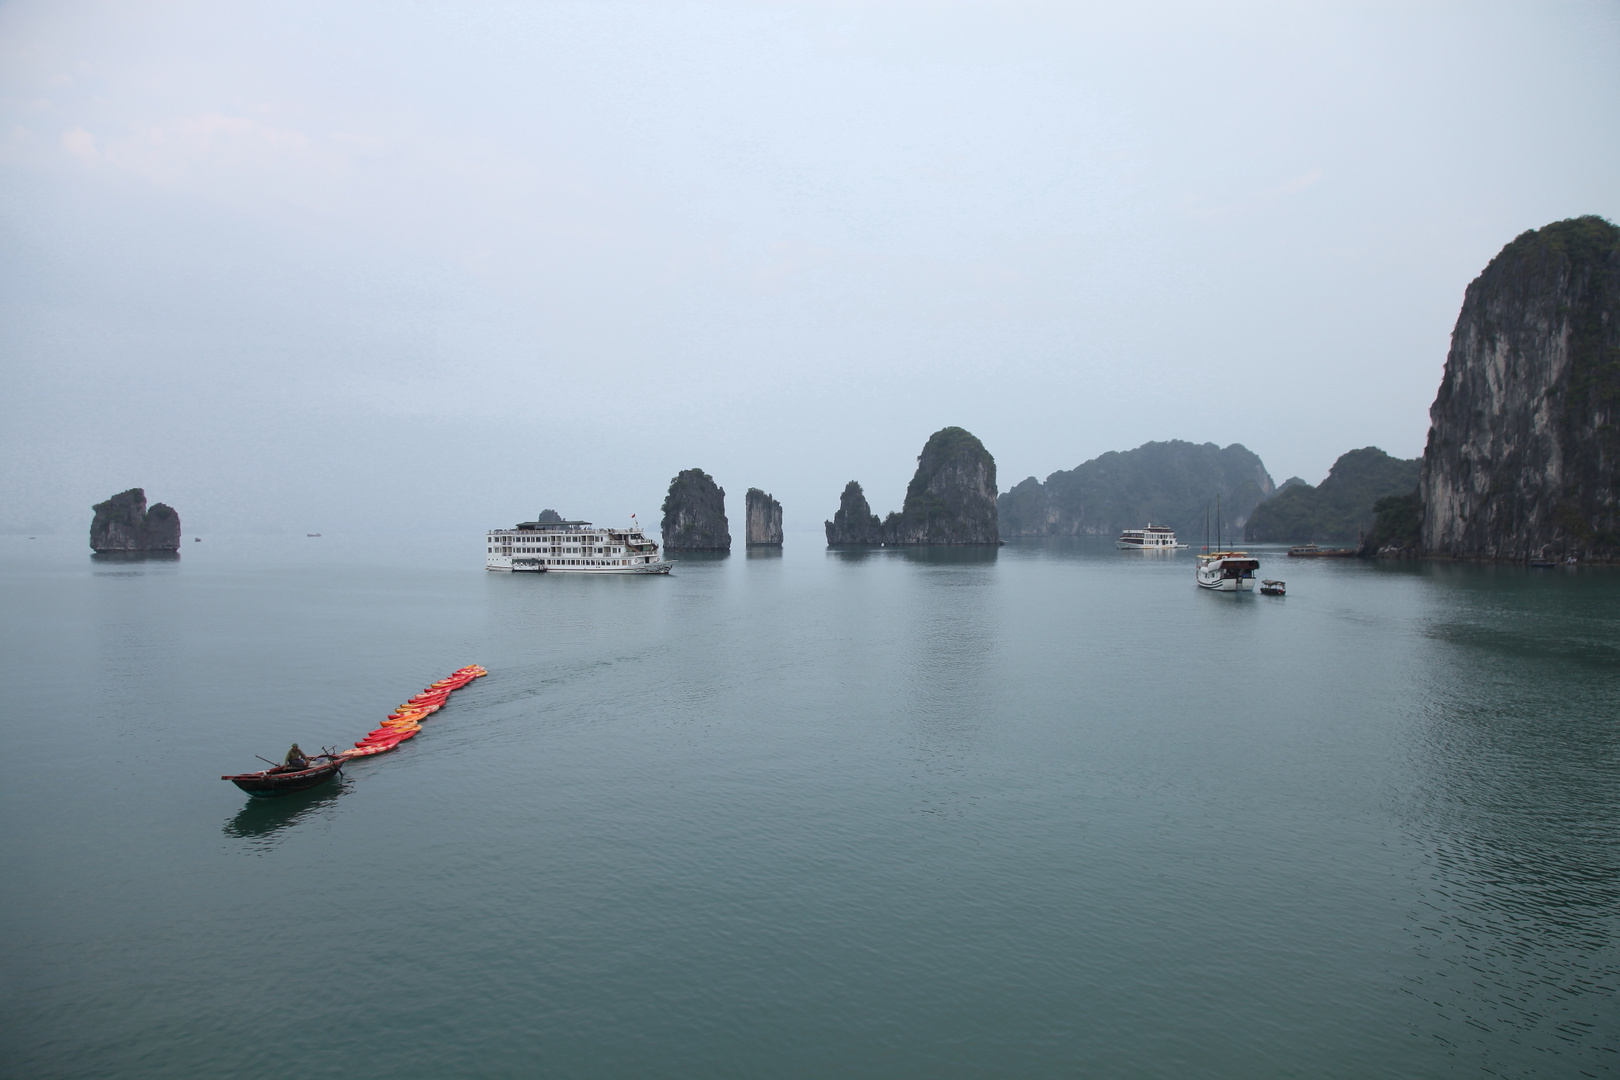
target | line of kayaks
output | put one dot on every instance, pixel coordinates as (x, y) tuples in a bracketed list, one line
[(405, 721)]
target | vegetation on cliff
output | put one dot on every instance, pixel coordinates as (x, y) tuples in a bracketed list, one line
[(1165, 483), (695, 514), (1397, 527), (1341, 508)]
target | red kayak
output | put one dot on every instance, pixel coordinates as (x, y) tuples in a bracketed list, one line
[(386, 740)]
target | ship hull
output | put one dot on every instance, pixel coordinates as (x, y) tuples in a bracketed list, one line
[(1227, 584), (641, 568)]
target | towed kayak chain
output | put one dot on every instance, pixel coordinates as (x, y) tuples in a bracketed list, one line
[(404, 722), (401, 724)]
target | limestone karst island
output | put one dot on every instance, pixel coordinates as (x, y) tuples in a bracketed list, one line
[(951, 500), (124, 524), (1523, 456)]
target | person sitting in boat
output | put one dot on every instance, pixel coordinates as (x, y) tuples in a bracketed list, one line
[(296, 759)]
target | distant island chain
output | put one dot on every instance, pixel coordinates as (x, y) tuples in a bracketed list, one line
[(1522, 462)]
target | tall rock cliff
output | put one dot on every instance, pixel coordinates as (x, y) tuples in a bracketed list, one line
[(1166, 483), (854, 523), (1524, 440), (695, 514), (123, 523), (952, 497), (764, 523)]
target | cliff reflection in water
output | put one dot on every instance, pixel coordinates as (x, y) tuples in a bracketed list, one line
[(116, 557), (930, 554), (1514, 808), (679, 556)]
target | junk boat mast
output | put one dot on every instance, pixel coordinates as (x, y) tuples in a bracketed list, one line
[(1223, 571)]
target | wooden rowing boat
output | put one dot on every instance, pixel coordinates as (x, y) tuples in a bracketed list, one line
[(280, 780)]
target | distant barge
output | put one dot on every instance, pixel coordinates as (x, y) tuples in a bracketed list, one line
[(1311, 551)]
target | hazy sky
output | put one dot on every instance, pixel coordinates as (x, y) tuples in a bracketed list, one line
[(327, 266)]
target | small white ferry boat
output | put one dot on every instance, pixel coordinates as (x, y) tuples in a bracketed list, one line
[(572, 547), (1226, 571), (1152, 538)]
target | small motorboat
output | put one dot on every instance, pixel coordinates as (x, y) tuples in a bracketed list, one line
[(1273, 588), (280, 780)]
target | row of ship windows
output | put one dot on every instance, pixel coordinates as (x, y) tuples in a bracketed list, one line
[(593, 562), (552, 551)]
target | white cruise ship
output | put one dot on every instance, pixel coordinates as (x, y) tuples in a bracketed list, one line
[(572, 547), (1152, 538)]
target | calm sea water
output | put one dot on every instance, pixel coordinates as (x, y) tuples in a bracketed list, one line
[(1046, 811)]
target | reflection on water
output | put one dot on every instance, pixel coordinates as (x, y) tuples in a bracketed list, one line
[(129, 563), (261, 821), (134, 556), (950, 555), (940, 555), (696, 556), (1517, 810), (947, 811), (773, 551)]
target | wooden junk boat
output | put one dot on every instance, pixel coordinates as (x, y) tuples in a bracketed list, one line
[(280, 780)]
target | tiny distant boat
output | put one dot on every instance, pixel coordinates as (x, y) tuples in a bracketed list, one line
[(196, 539), (1544, 559), (280, 780), (1226, 571), (1152, 538), (1273, 588), (312, 534)]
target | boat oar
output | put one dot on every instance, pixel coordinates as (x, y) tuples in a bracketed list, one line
[(274, 764)]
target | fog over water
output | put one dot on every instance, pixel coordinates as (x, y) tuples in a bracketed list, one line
[(316, 267)]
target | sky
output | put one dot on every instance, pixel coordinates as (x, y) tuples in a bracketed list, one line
[(325, 266)]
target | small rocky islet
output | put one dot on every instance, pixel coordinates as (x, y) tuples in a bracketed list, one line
[(764, 520), (124, 524), (951, 500), (695, 514)]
